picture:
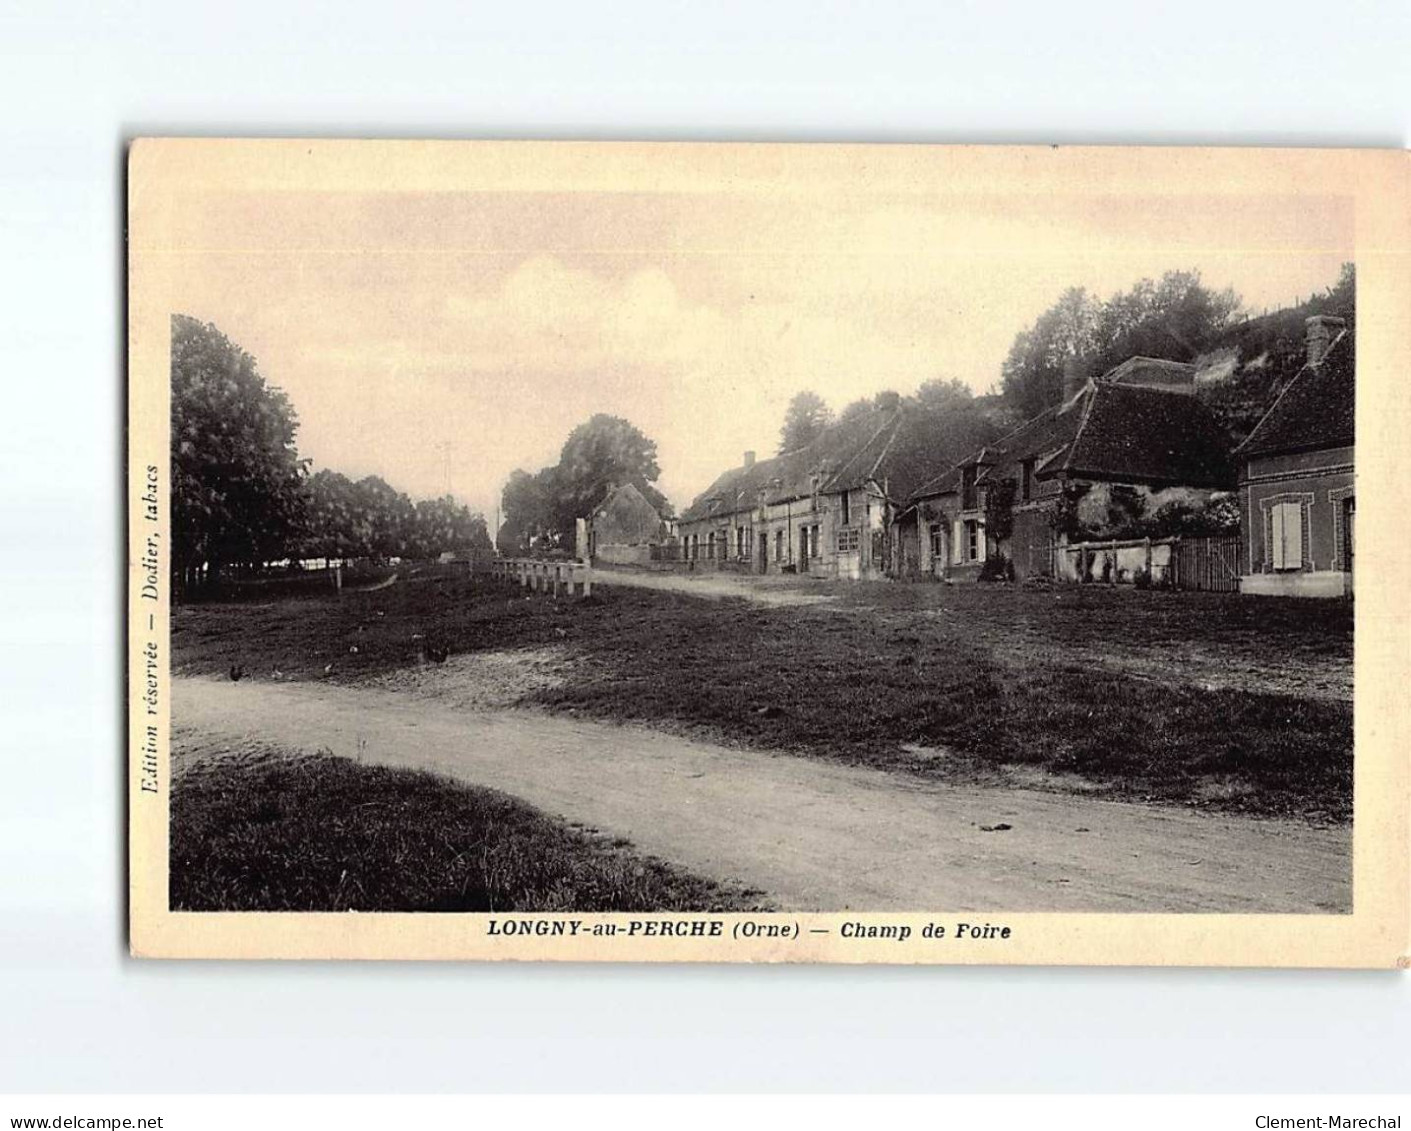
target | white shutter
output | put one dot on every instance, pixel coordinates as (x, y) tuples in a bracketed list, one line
[(980, 542), (1286, 536), (957, 543), (1293, 536)]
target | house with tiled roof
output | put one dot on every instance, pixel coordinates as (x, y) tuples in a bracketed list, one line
[(826, 508), (1296, 483), (625, 529), (1120, 446)]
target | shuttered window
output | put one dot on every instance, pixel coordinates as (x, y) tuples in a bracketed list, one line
[(1286, 535)]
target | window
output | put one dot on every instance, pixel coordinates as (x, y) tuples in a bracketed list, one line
[(779, 546), (815, 543), (1286, 535), (1026, 480), (740, 542), (938, 541), (847, 541), (972, 541), (967, 488), (710, 547), (847, 514)]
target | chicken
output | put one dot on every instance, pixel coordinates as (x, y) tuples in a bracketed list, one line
[(439, 654), (236, 671)]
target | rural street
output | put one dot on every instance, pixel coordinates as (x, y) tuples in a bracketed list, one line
[(810, 834)]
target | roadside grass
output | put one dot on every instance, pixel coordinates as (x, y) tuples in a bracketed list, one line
[(267, 830), (961, 684)]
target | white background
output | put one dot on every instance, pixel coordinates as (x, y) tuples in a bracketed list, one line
[(77, 81)]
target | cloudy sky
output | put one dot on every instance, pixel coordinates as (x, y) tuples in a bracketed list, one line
[(442, 339)]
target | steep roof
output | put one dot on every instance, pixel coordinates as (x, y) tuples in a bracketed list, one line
[(1317, 409), (1109, 431), (1147, 436), (897, 447), (626, 516)]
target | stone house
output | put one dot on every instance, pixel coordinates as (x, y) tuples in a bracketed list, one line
[(825, 509), (1116, 449), (1296, 483), (625, 529)]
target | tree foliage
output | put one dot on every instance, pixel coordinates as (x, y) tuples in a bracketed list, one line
[(241, 495), (1174, 317), (806, 417), (371, 519), (237, 479), (606, 451), (1267, 351)]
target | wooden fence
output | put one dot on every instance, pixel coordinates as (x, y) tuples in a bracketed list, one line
[(560, 578), (1212, 564)]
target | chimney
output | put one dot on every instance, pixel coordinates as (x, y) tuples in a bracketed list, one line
[(1075, 377), (749, 459), (1321, 330)]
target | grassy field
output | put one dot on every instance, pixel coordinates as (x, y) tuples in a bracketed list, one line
[(268, 830), (1114, 692)]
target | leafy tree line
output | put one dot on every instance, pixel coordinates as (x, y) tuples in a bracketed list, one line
[(541, 509), (1177, 318), (241, 494), (1173, 318)]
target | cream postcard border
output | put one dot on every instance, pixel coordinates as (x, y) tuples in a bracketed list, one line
[(1376, 934)]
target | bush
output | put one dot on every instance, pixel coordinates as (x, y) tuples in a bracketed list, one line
[(997, 568)]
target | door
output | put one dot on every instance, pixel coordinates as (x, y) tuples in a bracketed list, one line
[(763, 552), (803, 549)]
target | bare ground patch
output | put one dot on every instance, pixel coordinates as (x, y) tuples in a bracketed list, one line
[(481, 681)]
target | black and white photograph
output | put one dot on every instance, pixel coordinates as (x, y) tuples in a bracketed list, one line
[(759, 538), (843, 563)]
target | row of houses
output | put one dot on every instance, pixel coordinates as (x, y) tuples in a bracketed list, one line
[(908, 493)]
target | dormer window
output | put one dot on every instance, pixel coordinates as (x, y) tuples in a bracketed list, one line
[(967, 488)]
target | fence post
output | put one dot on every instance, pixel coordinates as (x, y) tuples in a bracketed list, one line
[(558, 576), (587, 581), (1148, 557)]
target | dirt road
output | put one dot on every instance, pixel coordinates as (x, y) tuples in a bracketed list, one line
[(812, 835)]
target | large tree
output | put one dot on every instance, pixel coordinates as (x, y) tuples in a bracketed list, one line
[(1032, 374), (602, 453), (335, 525), (805, 418), (444, 525), (237, 490), (1174, 317)]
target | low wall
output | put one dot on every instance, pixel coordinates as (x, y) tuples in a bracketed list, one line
[(622, 554), (1296, 583), (1115, 561)]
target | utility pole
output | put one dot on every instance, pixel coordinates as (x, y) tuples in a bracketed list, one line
[(444, 447)]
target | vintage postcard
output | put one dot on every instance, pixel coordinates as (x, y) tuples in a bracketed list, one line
[(768, 553)]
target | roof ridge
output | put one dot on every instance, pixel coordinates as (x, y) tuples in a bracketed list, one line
[(861, 448), (1092, 387), (1297, 377)]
